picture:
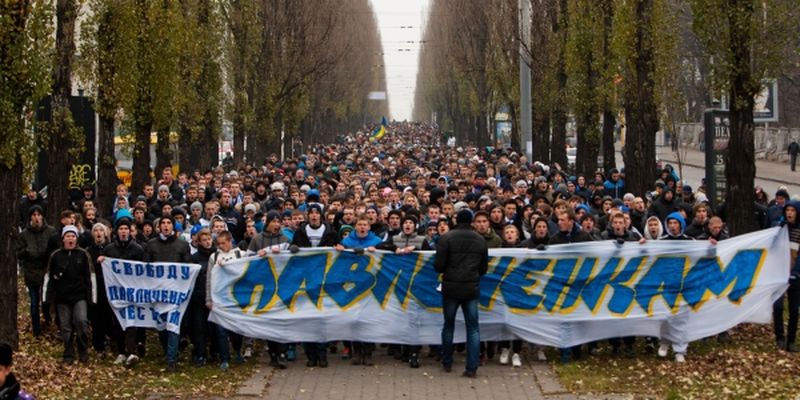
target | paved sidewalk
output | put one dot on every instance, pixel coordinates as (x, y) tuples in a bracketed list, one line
[(771, 171), (391, 379)]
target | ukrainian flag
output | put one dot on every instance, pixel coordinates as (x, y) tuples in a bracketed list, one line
[(379, 131)]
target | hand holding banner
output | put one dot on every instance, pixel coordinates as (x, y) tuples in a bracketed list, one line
[(149, 295)]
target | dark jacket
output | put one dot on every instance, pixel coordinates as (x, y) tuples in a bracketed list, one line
[(493, 240), (201, 257), (462, 256), (32, 253), (661, 208), (70, 276), (265, 239), (329, 238), (533, 242), (125, 251), (628, 236), (11, 389), (576, 235), (696, 229), (170, 249)]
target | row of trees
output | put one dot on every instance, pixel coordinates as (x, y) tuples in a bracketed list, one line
[(302, 69), (641, 65)]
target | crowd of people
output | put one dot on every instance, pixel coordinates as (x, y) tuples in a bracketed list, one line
[(402, 193)]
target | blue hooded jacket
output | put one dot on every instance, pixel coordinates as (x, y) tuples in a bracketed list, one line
[(678, 217), (352, 241)]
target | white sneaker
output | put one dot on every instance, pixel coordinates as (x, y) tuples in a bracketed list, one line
[(504, 357), (662, 350), (540, 355), (132, 360), (120, 359), (680, 358), (248, 352), (516, 361)]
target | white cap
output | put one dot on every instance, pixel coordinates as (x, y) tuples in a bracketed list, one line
[(277, 186), (69, 229)]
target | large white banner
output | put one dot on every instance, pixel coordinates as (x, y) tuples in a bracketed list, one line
[(149, 295), (563, 296)]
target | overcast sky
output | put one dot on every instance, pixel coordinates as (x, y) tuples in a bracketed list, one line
[(400, 22)]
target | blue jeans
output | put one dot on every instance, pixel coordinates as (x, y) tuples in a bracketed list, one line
[(35, 293), (171, 342), (74, 322), (470, 310)]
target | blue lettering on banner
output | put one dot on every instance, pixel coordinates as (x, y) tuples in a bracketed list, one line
[(302, 275), (524, 285), (423, 287), (518, 286), (349, 279), (707, 278), (395, 276), (257, 286)]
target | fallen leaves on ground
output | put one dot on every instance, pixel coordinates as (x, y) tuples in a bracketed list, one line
[(748, 367), (38, 366)]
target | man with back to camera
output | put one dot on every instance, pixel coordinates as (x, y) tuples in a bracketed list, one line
[(462, 257)]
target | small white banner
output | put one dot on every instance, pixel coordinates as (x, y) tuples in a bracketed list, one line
[(149, 295)]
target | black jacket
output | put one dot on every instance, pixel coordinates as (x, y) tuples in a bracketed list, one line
[(329, 238), (462, 256), (125, 251), (577, 235), (70, 276), (171, 249), (32, 246), (201, 257)]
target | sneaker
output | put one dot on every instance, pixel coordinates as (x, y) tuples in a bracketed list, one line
[(131, 360), (516, 361), (172, 367), (662, 350), (277, 364), (224, 366), (540, 355), (311, 363), (504, 357), (680, 358), (323, 363), (781, 344), (470, 374), (84, 358), (792, 348), (120, 359), (413, 361), (248, 352)]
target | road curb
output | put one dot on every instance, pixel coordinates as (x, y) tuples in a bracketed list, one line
[(781, 181)]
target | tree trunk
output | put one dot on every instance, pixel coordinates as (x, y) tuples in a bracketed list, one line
[(609, 153), (541, 139), (609, 121), (558, 151), (641, 113), (106, 168), (60, 141), (209, 148), (238, 136), (163, 150), (141, 158), (11, 182), (740, 165)]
